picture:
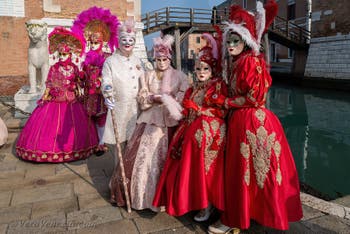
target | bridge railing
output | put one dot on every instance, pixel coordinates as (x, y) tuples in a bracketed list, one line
[(170, 16), (290, 30), (173, 15)]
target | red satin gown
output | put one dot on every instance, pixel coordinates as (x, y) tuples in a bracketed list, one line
[(193, 173), (261, 180)]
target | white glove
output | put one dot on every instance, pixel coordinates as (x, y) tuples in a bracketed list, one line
[(109, 102)]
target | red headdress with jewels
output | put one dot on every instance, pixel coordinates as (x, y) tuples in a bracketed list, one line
[(63, 40), (210, 53), (98, 24)]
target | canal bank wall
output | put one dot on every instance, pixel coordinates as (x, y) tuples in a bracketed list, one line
[(311, 82), (329, 57)]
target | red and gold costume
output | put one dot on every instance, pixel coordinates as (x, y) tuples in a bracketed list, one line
[(193, 173), (193, 178), (261, 181)]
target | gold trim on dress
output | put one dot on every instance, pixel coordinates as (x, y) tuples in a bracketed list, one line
[(261, 145)]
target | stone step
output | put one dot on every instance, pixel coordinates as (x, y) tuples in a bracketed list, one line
[(344, 201)]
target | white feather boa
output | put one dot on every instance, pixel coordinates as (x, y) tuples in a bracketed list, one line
[(173, 106)]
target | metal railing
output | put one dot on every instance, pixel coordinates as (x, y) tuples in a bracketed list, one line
[(290, 30), (203, 19)]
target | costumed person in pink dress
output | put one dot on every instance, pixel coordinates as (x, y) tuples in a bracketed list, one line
[(3, 133), (99, 27), (261, 181), (192, 178), (59, 129), (161, 93)]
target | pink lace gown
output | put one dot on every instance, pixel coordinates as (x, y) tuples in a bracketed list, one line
[(59, 129)]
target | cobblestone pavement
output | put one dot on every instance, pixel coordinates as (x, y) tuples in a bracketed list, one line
[(73, 198)]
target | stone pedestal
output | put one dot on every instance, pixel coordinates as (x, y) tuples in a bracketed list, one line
[(25, 101)]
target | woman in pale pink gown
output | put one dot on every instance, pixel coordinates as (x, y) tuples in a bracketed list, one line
[(162, 89)]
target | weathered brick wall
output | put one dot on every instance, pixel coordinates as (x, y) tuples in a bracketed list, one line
[(330, 18), (329, 57), (329, 53), (70, 8), (14, 41)]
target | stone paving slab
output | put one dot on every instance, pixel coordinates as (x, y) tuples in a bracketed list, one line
[(189, 229), (9, 181), (82, 187), (162, 221), (15, 213), (5, 198), (44, 193), (310, 213), (70, 168), (14, 124), (54, 207), (345, 201), (49, 224), (92, 217), (39, 171), (3, 228), (327, 224), (88, 201), (103, 165), (118, 227), (7, 167)]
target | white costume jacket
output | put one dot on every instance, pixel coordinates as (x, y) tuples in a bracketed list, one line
[(123, 74)]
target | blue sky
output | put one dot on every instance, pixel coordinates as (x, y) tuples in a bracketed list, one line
[(151, 5)]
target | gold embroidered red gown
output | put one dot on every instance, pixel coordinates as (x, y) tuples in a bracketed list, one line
[(261, 180), (193, 173)]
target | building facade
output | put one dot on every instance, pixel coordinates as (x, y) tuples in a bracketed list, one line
[(329, 53), (14, 40)]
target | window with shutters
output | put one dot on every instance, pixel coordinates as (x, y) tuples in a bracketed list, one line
[(12, 8)]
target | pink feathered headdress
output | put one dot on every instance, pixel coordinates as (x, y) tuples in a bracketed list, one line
[(97, 24), (127, 29), (162, 46)]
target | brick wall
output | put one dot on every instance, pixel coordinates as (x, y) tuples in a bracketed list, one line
[(329, 53), (330, 18), (14, 41)]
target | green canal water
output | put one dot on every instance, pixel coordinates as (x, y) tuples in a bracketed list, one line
[(317, 125)]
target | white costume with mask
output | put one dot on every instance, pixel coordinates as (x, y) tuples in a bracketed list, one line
[(122, 73)]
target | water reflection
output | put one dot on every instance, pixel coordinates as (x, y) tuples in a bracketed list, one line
[(317, 125)]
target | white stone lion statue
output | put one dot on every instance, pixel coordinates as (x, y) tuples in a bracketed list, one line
[(38, 57)]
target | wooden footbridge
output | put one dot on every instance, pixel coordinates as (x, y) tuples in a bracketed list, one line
[(180, 22)]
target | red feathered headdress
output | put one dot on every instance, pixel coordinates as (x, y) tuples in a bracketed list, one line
[(63, 40), (251, 26), (210, 53)]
